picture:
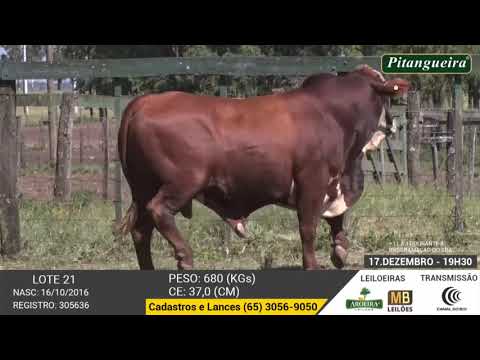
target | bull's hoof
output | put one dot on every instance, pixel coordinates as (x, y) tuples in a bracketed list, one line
[(182, 265), (339, 257), (238, 227), (240, 230), (312, 267)]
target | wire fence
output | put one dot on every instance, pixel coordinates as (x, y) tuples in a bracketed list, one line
[(90, 158)]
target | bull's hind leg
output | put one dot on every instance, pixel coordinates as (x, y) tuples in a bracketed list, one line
[(162, 208), (338, 255), (310, 198), (142, 236)]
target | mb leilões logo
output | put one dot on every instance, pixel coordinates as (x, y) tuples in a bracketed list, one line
[(400, 301), (362, 303)]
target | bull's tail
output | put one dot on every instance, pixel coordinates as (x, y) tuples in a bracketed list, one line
[(128, 114), (127, 223)]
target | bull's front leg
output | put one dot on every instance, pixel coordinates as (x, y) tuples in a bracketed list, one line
[(351, 189), (338, 255)]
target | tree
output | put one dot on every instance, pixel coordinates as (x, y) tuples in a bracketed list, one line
[(364, 293)]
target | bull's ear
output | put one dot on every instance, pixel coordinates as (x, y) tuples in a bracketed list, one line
[(392, 87)]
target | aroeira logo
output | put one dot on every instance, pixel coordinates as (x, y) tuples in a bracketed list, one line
[(427, 64), (362, 303)]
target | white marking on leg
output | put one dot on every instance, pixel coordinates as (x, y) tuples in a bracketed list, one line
[(330, 182), (335, 178), (241, 229), (338, 206), (292, 188)]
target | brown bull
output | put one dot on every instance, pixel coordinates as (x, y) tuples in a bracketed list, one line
[(300, 149)]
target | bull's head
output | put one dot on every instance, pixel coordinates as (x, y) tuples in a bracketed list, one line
[(386, 89)]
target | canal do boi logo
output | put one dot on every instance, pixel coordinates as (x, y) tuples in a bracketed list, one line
[(362, 303), (426, 63)]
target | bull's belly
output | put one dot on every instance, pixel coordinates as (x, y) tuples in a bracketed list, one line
[(240, 206), (242, 202)]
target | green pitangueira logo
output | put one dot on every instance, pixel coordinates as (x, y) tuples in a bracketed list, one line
[(363, 303), (426, 63)]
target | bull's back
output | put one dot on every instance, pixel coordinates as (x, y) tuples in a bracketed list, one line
[(225, 123)]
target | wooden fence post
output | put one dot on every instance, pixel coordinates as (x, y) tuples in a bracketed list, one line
[(41, 131), (21, 142), (413, 137), (10, 242), (106, 153), (435, 163), (118, 165), (63, 170), (471, 157), (51, 110), (223, 91), (458, 140), (51, 134), (93, 91), (450, 154), (405, 148), (80, 128), (382, 161)]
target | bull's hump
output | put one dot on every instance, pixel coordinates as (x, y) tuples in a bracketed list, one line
[(158, 98)]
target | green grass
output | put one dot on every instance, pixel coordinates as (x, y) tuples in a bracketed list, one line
[(399, 213), (78, 235)]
